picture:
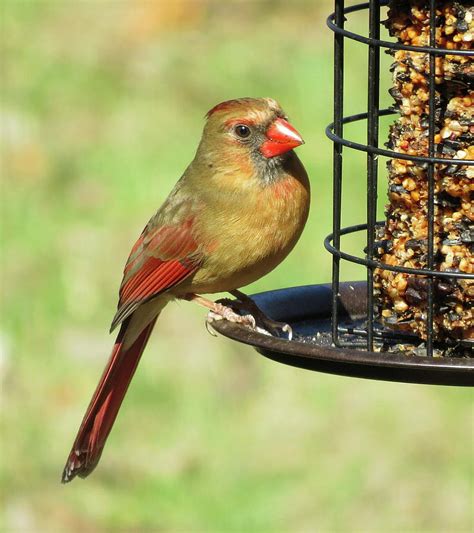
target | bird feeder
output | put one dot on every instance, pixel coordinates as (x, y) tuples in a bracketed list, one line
[(411, 319)]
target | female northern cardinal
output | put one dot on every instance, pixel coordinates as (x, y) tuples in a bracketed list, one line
[(235, 214)]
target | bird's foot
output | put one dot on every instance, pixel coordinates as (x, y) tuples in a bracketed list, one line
[(243, 310), (224, 312), (264, 324)]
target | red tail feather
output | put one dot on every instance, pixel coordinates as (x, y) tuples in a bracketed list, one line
[(105, 404)]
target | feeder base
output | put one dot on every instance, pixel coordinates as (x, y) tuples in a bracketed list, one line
[(308, 311)]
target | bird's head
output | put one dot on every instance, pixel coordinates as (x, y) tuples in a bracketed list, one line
[(248, 131)]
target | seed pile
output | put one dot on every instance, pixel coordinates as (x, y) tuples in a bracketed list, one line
[(402, 298)]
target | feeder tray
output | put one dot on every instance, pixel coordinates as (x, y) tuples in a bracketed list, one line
[(308, 311)]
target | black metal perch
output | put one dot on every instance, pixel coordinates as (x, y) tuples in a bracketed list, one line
[(336, 326)]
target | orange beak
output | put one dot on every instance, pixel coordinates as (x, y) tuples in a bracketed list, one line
[(281, 138)]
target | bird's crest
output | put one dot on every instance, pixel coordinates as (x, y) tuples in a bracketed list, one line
[(242, 102)]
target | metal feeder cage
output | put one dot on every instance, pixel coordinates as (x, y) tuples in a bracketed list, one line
[(337, 327)]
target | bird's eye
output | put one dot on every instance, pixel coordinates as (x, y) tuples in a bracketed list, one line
[(242, 131)]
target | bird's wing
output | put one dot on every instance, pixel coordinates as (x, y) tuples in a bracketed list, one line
[(163, 256)]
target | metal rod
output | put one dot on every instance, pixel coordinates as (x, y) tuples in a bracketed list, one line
[(337, 159), (373, 86), (431, 180)]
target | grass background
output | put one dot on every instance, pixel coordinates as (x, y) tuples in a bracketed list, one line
[(102, 108)]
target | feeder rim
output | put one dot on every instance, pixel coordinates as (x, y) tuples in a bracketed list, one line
[(387, 44)]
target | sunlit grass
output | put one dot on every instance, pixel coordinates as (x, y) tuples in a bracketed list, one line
[(102, 109)]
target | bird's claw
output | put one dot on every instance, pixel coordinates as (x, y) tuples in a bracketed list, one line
[(275, 328), (261, 322), (288, 330), (209, 327)]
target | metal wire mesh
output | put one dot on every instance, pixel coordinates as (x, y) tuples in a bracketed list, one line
[(373, 330)]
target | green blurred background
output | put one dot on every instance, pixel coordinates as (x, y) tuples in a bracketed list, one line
[(102, 109)]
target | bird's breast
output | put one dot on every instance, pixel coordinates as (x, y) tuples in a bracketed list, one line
[(251, 234)]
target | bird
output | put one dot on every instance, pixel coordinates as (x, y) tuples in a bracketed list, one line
[(234, 215)]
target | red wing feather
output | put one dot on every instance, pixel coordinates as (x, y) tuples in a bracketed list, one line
[(160, 259)]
